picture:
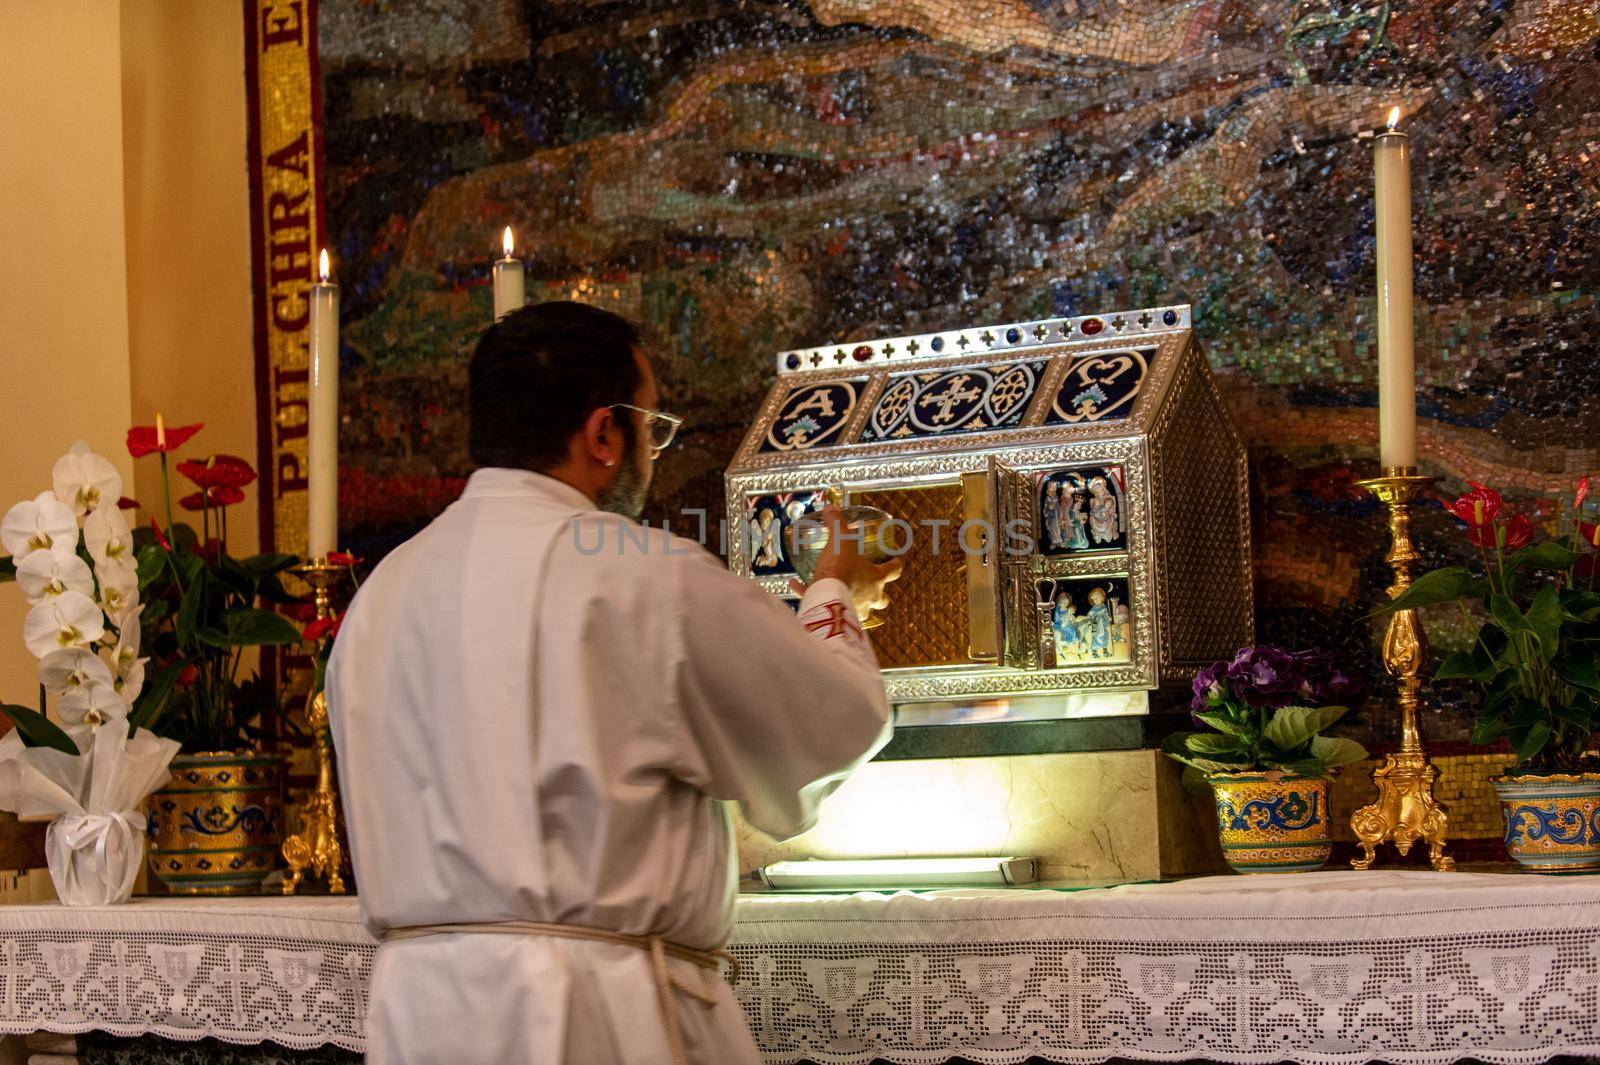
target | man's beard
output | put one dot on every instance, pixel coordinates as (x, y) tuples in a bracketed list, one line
[(626, 494)]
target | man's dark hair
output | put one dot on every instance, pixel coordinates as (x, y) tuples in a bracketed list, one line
[(537, 375)]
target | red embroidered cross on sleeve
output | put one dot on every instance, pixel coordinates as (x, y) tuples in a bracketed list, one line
[(832, 621)]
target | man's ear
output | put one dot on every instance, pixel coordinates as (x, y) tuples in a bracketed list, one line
[(601, 439)]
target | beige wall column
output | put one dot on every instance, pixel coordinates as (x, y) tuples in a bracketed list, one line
[(186, 180), (63, 271), (125, 275)]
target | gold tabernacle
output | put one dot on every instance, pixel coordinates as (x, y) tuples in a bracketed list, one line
[(1072, 496), (1404, 811)]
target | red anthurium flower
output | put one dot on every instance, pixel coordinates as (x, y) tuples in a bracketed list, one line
[(342, 558), (1580, 492), (322, 628), (1518, 532), (142, 438), (1478, 508), (219, 471), (226, 496), (188, 676), (1590, 534), (301, 611), (160, 536)]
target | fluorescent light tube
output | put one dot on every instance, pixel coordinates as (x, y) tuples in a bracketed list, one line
[(900, 872)]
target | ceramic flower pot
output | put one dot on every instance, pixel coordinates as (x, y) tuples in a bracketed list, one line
[(1552, 822), (216, 829), (1272, 824)]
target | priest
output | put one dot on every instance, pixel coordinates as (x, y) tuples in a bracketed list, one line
[(541, 709)]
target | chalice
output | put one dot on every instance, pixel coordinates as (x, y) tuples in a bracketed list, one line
[(880, 540)]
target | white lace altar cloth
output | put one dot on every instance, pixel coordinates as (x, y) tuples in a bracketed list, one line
[(1314, 967)]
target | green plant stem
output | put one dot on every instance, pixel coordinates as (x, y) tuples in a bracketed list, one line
[(41, 699), (166, 493)]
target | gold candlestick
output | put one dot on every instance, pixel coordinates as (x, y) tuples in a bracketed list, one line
[(316, 846), (1404, 811)]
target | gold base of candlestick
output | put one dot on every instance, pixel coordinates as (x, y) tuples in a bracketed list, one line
[(316, 847), (1404, 811)]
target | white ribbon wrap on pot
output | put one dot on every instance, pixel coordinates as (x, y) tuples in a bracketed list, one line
[(94, 858), (96, 843)]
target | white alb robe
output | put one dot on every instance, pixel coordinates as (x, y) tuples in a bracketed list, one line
[(535, 707)]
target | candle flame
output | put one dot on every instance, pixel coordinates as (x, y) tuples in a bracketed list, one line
[(1394, 116), (505, 241), (161, 432), (322, 264)]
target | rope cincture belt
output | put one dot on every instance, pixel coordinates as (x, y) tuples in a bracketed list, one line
[(659, 950)]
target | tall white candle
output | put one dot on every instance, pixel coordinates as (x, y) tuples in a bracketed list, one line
[(1397, 381), (322, 507), (508, 280)]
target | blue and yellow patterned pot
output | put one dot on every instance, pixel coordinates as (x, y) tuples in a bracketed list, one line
[(216, 829), (1552, 822), (1272, 824)]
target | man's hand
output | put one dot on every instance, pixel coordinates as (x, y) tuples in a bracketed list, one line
[(843, 558)]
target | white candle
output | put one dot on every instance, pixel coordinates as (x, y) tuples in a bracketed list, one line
[(1397, 380), (322, 485), (508, 278)]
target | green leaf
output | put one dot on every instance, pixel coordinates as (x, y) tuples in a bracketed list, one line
[(1204, 743), (8, 569), (1176, 746), (1549, 555), (262, 565), (1336, 750), (37, 730), (1544, 617), (152, 561), (1506, 613), (1463, 665), (234, 578), (154, 611), (1529, 738), (1577, 667), (212, 637), (184, 539), (189, 610), (1488, 729), (1292, 726), (271, 589), (250, 627), (147, 710), (1222, 721), (1305, 767), (189, 566), (1581, 606), (1440, 586)]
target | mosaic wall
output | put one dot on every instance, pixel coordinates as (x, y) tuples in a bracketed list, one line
[(745, 176)]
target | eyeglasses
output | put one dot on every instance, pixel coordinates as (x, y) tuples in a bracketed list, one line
[(658, 424)]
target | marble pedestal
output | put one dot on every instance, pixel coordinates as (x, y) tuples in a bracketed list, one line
[(1091, 816)]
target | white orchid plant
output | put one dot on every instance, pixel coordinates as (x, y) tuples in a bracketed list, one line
[(72, 555)]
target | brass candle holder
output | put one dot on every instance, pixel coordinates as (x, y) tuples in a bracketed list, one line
[(316, 848), (1405, 810)]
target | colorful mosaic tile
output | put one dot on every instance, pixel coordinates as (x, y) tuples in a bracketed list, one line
[(748, 179)]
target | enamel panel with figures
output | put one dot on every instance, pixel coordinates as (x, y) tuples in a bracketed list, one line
[(1082, 510), (1089, 621), (767, 519)]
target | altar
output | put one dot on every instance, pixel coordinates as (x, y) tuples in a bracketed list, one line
[(1406, 967)]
